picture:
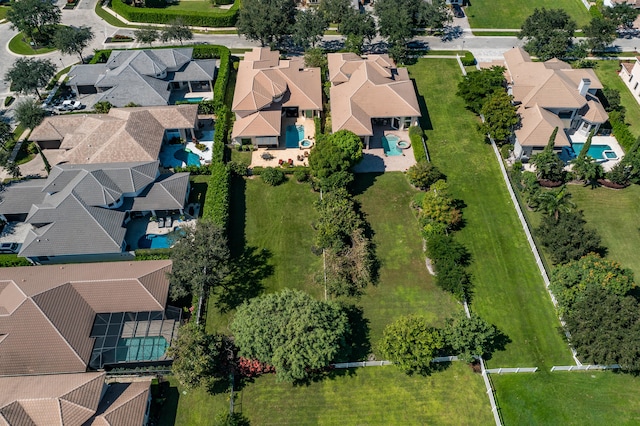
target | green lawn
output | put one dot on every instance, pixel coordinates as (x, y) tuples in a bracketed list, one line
[(509, 290), (366, 396), (607, 72), (19, 46), (3, 12), (568, 398), (512, 13), (197, 6)]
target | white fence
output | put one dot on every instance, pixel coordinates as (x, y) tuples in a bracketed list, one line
[(361, 364), (586, 4), (584, 367), (492, 399), (512, 370)]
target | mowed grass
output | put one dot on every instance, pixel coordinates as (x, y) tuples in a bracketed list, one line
[(405, 286), (615, 216), (568, 398), (513, 13), (607, 72), (197, 6), (509, 291)]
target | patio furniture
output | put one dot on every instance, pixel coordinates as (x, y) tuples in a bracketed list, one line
[(306, 153), (267, 156), (161, 222), (169, 222)]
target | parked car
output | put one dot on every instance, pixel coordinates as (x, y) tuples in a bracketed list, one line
[(457, 11), (69, 106), (9, 248)]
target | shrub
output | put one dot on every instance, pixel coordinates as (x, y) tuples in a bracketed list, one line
[(9, 100), (273, 176), (621, 130), (102, 107), (216, 206), (415, 135), (505, 150), (423, 174), (257, 171), (194, 170), (10, 260), (153, 254), (227, 18), (468, 59), (301, 175), (238, 168), (619, 174)]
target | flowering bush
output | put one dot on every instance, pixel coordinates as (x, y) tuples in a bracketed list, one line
[(253, 367)]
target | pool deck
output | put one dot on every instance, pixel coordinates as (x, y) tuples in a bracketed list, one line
[(602, 140), (137, 228), (375, 160)]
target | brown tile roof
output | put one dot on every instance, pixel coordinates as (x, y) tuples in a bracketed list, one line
[(49, 310), (63, 399), (537, 125), (262, 123), (628, 66), (123, 404), (123, 135), (267, 83), (374, 88)]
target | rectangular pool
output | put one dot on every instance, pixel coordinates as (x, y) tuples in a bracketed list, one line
[(598, 152), (294, 134), (390, 145)]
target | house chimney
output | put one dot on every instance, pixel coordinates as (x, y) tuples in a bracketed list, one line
[(583, 88)]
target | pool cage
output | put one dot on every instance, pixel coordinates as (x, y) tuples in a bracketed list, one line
[(132, 337)]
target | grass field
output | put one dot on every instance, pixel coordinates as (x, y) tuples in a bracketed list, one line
[(607, 72), (509, 290), (19, 46), (568, 398), (372, 395), (197, 6), (3, 12), (512, 13)]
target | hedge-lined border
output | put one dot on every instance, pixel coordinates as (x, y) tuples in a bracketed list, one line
[(227, 18), (415, 136), (621, 131)]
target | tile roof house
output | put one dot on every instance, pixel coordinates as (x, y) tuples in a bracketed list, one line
[(368, 90), (94, 198), (633, 3), (72, 400), (65, 318), (269, 89), (145, 77), (122, 135), (630, 74), (548, 95)]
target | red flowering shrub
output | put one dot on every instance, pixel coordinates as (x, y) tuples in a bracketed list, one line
[(253, 367)]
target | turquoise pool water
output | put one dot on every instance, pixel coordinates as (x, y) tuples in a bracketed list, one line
[(187, 157), (294, 134), (155, 241), (389, 143), (596, 151), (207, 135), (193, 100), (141, 349)]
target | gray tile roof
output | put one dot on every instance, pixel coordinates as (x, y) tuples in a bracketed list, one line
[(18, 197), (86, 75), (198, 70), (129, 86), (169, 192)]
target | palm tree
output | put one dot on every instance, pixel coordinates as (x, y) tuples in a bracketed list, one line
[(587, 169), (555, 201)]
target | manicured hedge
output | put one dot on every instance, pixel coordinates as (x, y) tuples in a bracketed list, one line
[(10, 260), (468, 59), (621, 131), (194, 170), (226, 18), (286, 170), (415, 135), (153, 254), (216, 205)]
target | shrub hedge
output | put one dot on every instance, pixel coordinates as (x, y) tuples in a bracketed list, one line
[(194, 170), (468, 59), (153, 254), (257, 171), (10, 260), (226, 18), (415, 135), (217, 199), (621, 131)]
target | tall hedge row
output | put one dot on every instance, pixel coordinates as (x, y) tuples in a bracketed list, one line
[(621, 131), (217, 198), (415, 135), (226, 18)]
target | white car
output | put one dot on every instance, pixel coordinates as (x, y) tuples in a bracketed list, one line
[(69, 106)]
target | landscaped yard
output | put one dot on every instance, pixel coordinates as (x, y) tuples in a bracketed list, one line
[(509, 291), (3, 12), (568, 398), (196, 6), (512, 13), (372, 395), (607, 72)]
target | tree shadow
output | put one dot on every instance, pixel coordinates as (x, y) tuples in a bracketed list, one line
[(331, 45), (499, 344), (245, 279), (237, 216), (363, 181), (164, 404), (425, 120), (358, 345)]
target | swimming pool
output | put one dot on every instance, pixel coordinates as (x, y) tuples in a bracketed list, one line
[(193, 100), (390, 145), (155, 241), (141, 349), (187, 157), (599, 152), (207, 135), (294, 134)]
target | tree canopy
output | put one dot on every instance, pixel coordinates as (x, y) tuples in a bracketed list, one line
[(500, 116), (29, 113), (548, 166), (471, 336), (357, 27), (335, 11), (411, 343), (476, 87), (291, 331), (200, 260), (333, 157), (439, 206), (398, 18), (423, 174), (71, 40), (176, 30), (621, 14), (6, 134), (568, 238), (200, 358), (569, 282), (552, 202), (146, 35), (309, 28), (548, 33), (37, 19), (27, 75), (266, 21), (600, 33)]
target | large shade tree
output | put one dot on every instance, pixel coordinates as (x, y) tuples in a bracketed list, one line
[(266, 21), (500, 116), (600, 33), (568, 238), (27, 75), (176, 30), (73, 41), (292, 332), (477, 86), (309, 28), (548, 33), (200, 260), (29, 113), (357, 27), (37, 19)]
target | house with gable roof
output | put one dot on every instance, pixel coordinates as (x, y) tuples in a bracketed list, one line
[(272, 96), (145, 77), (370, 91), (548, 95)]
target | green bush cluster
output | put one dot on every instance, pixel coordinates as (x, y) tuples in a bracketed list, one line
[(621, 130), (468, 59), (153, 254), (194, 170), (101, 56), (217, 199), (318, 126), (8, 100), (225, 18), (10, 260), (595, 12), (415, 135), (286, 170), (272, 176)]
